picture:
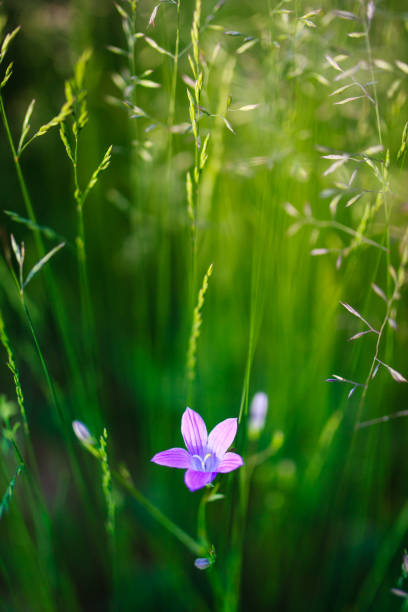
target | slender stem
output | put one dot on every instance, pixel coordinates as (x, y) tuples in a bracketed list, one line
[(23, 186), (172, 105), (376, 353), (383, 419), (399, 280), (255, 311), (175, 530), (43, 364), (55, 298), (88, 323), (201, 519), (379, 130), (42, 522), (345, 229), (387, 226), (132, 41)]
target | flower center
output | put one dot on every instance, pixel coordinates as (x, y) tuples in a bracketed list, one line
[(204, 464)]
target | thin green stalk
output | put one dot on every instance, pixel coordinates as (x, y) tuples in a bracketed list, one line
[(55, 298), (88, 322), (43, 364), (47, 571), (133, 40), (164, 265), (201, 519), (239, 497), (194, 109), (345, 229), (373, 364), (400, 276), (379, 130), (57, 406), (23, 186), (35, 501), (255, 314), (173, 89), (175, 530), (382, 561)]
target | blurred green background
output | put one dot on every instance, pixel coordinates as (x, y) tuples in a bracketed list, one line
[(327, 515)]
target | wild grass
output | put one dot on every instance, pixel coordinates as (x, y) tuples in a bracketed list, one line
[(150, 139)]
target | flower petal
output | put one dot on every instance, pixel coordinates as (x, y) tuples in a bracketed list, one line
[(174, 457), (196, 480), (222, 436), (194, 432), (231, 461)]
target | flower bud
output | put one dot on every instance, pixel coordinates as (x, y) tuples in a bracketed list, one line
[(257, 414), (405, 564), (370, 10), (82, 432), (202, 563)]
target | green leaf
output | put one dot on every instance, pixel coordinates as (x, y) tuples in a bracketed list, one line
[(26, 126), (42, 263), (5, 502)]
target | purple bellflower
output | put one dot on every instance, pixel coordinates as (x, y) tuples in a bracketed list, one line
[(206, 455)]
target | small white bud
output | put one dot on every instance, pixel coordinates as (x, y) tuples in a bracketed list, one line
[(370, 10), (202, 563), (257, 414), (82, 432)]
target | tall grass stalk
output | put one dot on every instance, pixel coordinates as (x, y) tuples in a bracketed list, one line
[(193, 177), (195, 334), (76, 98), (55, 297), (367, 20)]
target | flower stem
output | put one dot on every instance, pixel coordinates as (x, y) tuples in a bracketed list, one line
[(125, 480), (201, 519)]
